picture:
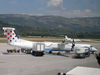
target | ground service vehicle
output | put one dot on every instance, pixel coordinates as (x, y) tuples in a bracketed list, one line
[(37, 49), (81, 52)]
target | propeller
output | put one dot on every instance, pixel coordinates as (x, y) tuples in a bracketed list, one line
[(73, 44), (63, 41)]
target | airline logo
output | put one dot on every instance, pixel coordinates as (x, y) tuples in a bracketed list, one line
[(11, 36)]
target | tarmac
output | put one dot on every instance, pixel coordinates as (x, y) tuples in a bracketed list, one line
[(49, 64)]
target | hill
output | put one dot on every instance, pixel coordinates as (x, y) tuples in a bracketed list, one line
[(74, 24), (90, 20), (52, 25), (32, 31)]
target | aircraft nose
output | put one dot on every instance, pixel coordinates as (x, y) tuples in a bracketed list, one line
[(93, 48)]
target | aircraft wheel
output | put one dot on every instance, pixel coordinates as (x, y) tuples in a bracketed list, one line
[(42, 53), (35, 53), (58, 53), (92, 52), (50, 52)]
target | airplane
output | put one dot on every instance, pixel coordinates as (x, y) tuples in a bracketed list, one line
[(49, 46), (92, 49), (69, 39)]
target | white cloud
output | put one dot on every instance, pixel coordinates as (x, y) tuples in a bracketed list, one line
[(56, 3), (73, 13), (80, 13), (76, 11), (40, 8), (39, 14), (34, 14), (88, 11)]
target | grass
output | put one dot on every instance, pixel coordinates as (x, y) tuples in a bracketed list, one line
[(96, 39), (3, 41)]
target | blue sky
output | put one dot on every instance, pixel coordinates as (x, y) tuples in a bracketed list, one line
[(65, 8)]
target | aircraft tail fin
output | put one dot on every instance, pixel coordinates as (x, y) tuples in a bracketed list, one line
[(69, 39), (10, 34), (66, 37)]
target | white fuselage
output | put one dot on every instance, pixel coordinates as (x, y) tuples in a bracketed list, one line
[(23, 44), (50, 45)]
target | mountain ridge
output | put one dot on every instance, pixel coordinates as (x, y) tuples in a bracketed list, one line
[(55, 25)]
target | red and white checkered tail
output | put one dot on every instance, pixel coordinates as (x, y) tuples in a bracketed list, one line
[(10, 34)]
